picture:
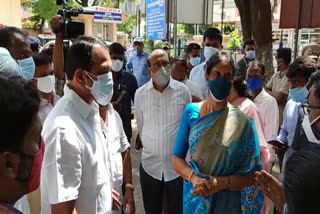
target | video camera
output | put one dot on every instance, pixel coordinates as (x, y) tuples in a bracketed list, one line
[(70, 28)]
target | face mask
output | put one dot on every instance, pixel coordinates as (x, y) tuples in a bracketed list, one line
[(34, 179), (299, 94), (194, 61), (117, 65), (27, 67), (254, 83), (219, 89), (162, 77), (102, 89), (307, 128), (251, 55), (285, 209), (46, 84), (209, 52)]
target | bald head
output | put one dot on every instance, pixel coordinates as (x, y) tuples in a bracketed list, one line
[(158, 53)]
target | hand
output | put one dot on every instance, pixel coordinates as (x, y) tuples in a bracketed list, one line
[(138, 143), (128, 199), (116, 204), (272, 188), (201, 186), (279, 150), (56, 24)]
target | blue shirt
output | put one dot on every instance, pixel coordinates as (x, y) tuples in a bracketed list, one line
[(138, 65)]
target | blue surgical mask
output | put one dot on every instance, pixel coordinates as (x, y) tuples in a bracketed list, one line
[(220, 88), (102, 88), (27, 68), (209, 52), (194, 61), (285, 209), (299, 94), (254, 83), (251, 55)]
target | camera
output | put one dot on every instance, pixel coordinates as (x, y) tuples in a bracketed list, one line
[(70, 28)]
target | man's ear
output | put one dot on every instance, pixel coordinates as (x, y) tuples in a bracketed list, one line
[(79, 75), (9, 164)]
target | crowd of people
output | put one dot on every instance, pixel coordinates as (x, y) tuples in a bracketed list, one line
[(210, 132)]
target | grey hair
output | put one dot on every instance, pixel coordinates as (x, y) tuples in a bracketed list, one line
[(157, 52)]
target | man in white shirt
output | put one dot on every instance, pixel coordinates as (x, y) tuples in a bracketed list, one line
[(212, 41), (76, 175), (179, 72), (120, 157), (159, 105), (267, 105)]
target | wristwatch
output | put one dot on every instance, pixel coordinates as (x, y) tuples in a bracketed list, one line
[(130, 186)]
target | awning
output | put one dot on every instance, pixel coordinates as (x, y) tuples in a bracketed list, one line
[(309, 13)]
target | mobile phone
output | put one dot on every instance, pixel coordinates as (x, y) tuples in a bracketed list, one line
[(278, 143)]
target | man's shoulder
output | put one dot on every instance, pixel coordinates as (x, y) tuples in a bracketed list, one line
[(128, 76), (197, 68), (140, 91)]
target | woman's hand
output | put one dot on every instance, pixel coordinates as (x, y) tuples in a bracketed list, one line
[(200, 185), (272, 188)]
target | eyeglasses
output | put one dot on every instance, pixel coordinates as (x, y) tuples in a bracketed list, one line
[(307, 107)]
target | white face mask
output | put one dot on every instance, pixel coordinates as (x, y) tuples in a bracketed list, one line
[(46, 84), (209, 52), (117, 65), (102, 89), (307, 127), (162, 76)]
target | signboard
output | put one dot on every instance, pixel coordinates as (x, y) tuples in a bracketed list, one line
[(193, 12), (107, 15), (156, 19)]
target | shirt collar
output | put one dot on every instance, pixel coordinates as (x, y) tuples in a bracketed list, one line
[(84, 108), (260, 96), (45, 101), (283, 73)]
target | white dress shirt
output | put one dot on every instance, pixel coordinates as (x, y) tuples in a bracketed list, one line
[(76, 163), (269, 111), (158, 119), (118, 143), (198, 77), (194, 90)]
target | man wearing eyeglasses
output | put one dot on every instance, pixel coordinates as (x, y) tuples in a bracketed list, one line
[(298, 76), (159, 105)]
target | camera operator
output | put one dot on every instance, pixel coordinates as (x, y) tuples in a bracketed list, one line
[(124, 87)]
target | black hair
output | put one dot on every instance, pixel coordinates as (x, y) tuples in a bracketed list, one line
[(316, 86), (192, 46), (247, 42), (49, 52), (240, 85), (117, 48), (301, 181), (80, 54), (6, 35), (301, 67), (181, 61), (40, 59), (212, 33), (256, 63), (19, 105), (315, 77), (284, 54), (217, 58)]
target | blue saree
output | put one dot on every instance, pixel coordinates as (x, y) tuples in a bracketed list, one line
[(222, 143)]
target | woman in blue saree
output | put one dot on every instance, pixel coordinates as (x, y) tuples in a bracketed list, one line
[(222, 149)]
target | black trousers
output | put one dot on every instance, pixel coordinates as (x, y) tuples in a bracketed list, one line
[(157, 194)]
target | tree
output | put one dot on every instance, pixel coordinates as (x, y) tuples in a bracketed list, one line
[(256, 23), (112, 3), (44, 10), (235, 40), (129, 26)]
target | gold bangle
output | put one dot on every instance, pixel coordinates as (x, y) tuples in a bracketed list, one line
[(130, 186), (189, 178)]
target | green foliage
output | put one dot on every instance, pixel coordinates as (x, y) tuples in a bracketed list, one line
[(112, 3), (129, 26), (45, 9), (235, 40), (227, 28)]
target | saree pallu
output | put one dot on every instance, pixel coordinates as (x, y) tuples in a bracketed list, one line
[(224, 144)]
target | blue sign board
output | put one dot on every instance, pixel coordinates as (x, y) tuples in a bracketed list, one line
[(107, 15), (156, 19)]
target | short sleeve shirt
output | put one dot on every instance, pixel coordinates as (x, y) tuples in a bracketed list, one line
[(279, 83)]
